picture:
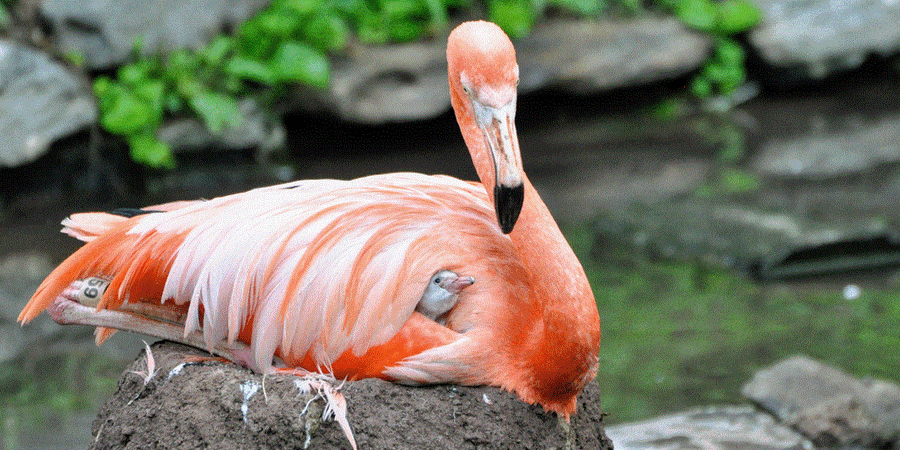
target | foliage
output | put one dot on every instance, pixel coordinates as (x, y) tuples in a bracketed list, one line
[(286, 43), (725, 70), (5, 15), (290, 41)]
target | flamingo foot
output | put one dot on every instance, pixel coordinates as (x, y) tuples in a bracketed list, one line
[(324, 387)]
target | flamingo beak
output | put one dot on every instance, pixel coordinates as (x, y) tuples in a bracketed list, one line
[(454, 285), (499, 129)]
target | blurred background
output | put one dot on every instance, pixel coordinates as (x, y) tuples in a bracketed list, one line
[(727, 171)]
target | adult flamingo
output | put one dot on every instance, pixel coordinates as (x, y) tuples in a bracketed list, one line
[(327, 274)]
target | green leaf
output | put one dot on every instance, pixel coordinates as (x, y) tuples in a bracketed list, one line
[(736, 16), (132, 74), (277, 23), (181, 63), (701, 87), (148, 150), (126, 113), (406, 30), (218, 111), (735, 180), (437, 13), (299, 7), (697, 14), (327, 31), (515, 17), (401, 10), (297, 62), (581, 7), (372, 30), (5, 18), (251, 69), (216, 50), (729, 52), (153, 92)]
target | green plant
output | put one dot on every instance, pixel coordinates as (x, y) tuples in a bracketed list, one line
[(6, 18), (724, 70), (284, 44)]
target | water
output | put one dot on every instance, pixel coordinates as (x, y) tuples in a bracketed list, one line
[(676, 333)]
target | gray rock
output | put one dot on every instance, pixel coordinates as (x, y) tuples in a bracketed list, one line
[(384, 84), (41, 102), (221, 405), (409, 81), (856, 146), (258, 129), (829, 406), (104, 32), (821, 37), (590, 56), (712, 428), (756, 231)]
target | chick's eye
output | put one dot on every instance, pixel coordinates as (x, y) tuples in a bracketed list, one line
[(437, 280)]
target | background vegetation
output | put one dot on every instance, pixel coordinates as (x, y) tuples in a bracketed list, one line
[(290, 43)]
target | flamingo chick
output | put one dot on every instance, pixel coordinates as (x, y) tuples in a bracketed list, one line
[(441, 293)]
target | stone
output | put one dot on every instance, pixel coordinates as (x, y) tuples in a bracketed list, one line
[(587, 56), (257, 130), (219, 404), (409, 81), (105, 32), (826, 404), (41, 100), (856, 146), (712, 428), (768, 233), (823, 37)]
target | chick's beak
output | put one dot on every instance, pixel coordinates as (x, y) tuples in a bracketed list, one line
[(454, 285)]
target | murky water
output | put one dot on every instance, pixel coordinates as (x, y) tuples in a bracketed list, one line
[(676, 332)]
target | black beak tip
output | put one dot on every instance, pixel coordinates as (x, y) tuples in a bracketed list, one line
[(508, 202)]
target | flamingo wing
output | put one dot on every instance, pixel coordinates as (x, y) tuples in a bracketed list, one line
[(309, 269)]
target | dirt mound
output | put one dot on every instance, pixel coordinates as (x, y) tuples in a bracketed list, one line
[(220, 405)]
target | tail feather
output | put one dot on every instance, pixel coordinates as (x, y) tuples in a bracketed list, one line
[(89, 226), (136, 266)]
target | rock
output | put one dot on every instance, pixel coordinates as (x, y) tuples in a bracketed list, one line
[(712, 428), (856, 146), (588, 56), (105, 32), (823, 37), (258, 130), (41, 102), (785, 229), (384, 84), (409, 81), (219, 404), (829, 406)]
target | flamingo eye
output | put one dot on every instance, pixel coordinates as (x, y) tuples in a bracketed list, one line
[(437, 280)]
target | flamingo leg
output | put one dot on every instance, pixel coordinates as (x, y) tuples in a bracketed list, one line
[(152, 320)]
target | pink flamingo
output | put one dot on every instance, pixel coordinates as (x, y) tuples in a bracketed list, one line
[(328, 274)]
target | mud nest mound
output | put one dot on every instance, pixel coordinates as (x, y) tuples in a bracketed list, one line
[(212, 404)]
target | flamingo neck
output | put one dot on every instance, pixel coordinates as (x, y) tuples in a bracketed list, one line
[(560, 298)]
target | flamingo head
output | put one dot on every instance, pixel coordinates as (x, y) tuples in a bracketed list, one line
[(483, 73)]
